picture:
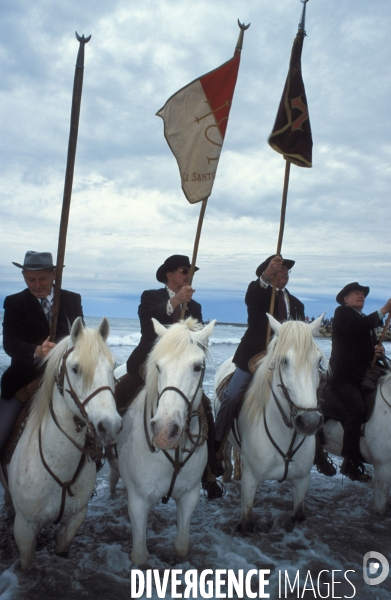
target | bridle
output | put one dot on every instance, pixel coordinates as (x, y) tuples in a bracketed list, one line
[(294, 408), (90, 449), (195, 440)]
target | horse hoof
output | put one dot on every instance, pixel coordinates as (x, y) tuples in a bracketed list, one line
[(62, 554), (289, 525), (245, 527)]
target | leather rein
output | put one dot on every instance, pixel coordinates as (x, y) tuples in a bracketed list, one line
[(195, 440), (90, 448)]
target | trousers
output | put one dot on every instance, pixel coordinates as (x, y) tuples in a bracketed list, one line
[(232, 397), (9, 413)]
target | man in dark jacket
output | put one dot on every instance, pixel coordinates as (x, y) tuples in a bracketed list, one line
[(165, 305), (354, 345), (26, 330), (287, 307)]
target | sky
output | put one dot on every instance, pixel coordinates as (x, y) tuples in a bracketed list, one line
[(128, 211)]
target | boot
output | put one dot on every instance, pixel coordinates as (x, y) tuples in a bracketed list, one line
[(322, 460), (355, 470)]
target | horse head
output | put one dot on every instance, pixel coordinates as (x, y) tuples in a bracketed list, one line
[(86, 381), (296, 360), (175, 371)]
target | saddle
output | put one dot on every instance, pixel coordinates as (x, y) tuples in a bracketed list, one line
[(332, 406)]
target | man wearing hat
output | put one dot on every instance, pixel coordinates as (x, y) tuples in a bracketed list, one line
[(26, 330), (165, 305), (353, 347), (287, 307)]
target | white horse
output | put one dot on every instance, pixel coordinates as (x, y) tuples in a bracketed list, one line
[(375, 444), (51, 475), (161, 448), (280, 415)]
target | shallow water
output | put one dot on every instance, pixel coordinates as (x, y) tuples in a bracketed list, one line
[(338, 531)]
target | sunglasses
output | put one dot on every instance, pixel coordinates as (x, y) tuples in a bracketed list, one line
[(184, 271)]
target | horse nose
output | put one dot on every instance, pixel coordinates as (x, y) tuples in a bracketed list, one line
[(308, 423), (174, 432), (108, 431)]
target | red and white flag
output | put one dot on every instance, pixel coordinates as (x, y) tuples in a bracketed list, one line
[(195, 122)]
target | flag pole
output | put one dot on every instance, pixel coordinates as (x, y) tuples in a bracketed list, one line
[(238, 48), (301, 27), (66, 202), (381, 340)]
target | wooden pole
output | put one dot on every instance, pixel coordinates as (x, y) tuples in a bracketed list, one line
[(279, 243), (195, 249), (66, 203), (383, 335)]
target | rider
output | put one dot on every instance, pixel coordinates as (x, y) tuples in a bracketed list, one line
[(287, 307), (354, 345), (165, 305), (26, 330)]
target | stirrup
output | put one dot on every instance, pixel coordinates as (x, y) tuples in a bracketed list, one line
[(324, 464), (213, 490), (356, 471)]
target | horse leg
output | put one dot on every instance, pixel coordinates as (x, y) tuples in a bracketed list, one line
[(299, 490), (138, 513), (67, 532), (25, 536), (382, 484), (248, 488), (186, 504)]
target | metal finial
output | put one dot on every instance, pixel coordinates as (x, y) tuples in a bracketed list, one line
[(80, 56), (302, 20), (239, 43)]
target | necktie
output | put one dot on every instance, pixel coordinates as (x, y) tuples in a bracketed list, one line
[(176, 315), (47, 309), (282, 314)]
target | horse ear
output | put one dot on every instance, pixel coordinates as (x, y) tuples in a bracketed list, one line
[(315, 325), (203, 335), (77, 329), (160, 330), (275, 325), (104, 329)]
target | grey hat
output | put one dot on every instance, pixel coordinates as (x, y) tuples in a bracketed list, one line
[(37, 261)]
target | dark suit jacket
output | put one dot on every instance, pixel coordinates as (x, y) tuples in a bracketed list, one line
[(24, 328), (353, 343), (154, 304), (258, 304)]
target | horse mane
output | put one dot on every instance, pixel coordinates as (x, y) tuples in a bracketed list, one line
[(88, 347), (294, 335), (172, 344)]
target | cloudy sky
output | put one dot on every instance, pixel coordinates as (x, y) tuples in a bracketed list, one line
[(128, 212)]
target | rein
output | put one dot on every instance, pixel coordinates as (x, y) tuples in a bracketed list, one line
[(196, 441), (90, 448)]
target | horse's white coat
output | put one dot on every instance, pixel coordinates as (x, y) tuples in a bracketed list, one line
[(147, 475), (375, 445), (299, 358), (35, 494)]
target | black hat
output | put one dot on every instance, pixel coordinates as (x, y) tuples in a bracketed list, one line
[(263, 266), (349, 288), (171, 264), (37, 261)]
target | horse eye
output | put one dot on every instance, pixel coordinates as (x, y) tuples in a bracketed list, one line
[(197, 368), (75, 369), (284, 361), (158, 368)]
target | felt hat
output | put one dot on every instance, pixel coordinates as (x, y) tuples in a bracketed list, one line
[(349, 288), (263, 266), (171, 264), (37, 261)]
